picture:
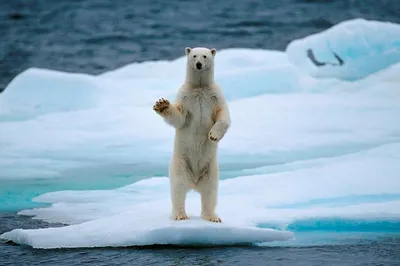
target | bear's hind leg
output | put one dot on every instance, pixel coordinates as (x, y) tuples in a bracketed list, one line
[(178, 197), (208, 188), (179, 190), (208, 204)]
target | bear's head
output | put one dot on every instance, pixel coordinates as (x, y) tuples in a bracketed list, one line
[(200, 58)]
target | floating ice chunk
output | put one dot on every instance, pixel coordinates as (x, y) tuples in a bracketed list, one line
[(349, 50), (139, 221), (154, 229), (356, 186), (37, 92)]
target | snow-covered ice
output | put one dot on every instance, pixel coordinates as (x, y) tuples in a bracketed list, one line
[(137, 214), (155, 229), (303, 152)]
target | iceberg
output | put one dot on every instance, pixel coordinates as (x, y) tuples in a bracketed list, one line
[(350, 50), (310, 149)]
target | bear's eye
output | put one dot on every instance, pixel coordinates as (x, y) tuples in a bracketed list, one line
[(194, 56), (204, 56)]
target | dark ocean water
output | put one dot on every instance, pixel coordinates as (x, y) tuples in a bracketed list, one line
[(94, 36), (382, 250)]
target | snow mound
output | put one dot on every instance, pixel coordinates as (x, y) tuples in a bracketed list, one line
[(349, 50)]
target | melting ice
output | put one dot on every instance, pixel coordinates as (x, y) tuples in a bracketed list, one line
[(314, 146)]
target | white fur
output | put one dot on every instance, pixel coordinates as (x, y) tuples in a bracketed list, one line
[(201, 118)]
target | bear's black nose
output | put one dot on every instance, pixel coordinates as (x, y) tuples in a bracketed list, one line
[(198, 65)]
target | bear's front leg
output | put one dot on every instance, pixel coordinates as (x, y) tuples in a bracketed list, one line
[(218, 130), (172, 113), (222, 123)]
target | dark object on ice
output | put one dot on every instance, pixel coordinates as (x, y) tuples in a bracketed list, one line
[(310, 54)]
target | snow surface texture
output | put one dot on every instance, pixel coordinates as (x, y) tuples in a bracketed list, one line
[(349, 50), (302, 154)]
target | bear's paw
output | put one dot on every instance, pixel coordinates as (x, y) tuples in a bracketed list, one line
[(212, 218), (161, 106), (180, 216), (214, 135)]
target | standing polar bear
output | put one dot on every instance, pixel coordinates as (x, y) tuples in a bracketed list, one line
[(201, 118)]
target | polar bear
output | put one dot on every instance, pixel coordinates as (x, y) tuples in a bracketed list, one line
[(201, 117)]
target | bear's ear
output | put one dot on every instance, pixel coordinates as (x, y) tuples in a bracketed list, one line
[(213, 51), (187, 50)]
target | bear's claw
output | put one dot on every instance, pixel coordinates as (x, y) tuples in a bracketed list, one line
[(161, 105), (213, 136), (180, 217), (212, 218)]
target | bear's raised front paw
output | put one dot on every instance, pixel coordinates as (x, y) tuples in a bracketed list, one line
[(212, 218), (161, 105), (180, 216), (214, 135)]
